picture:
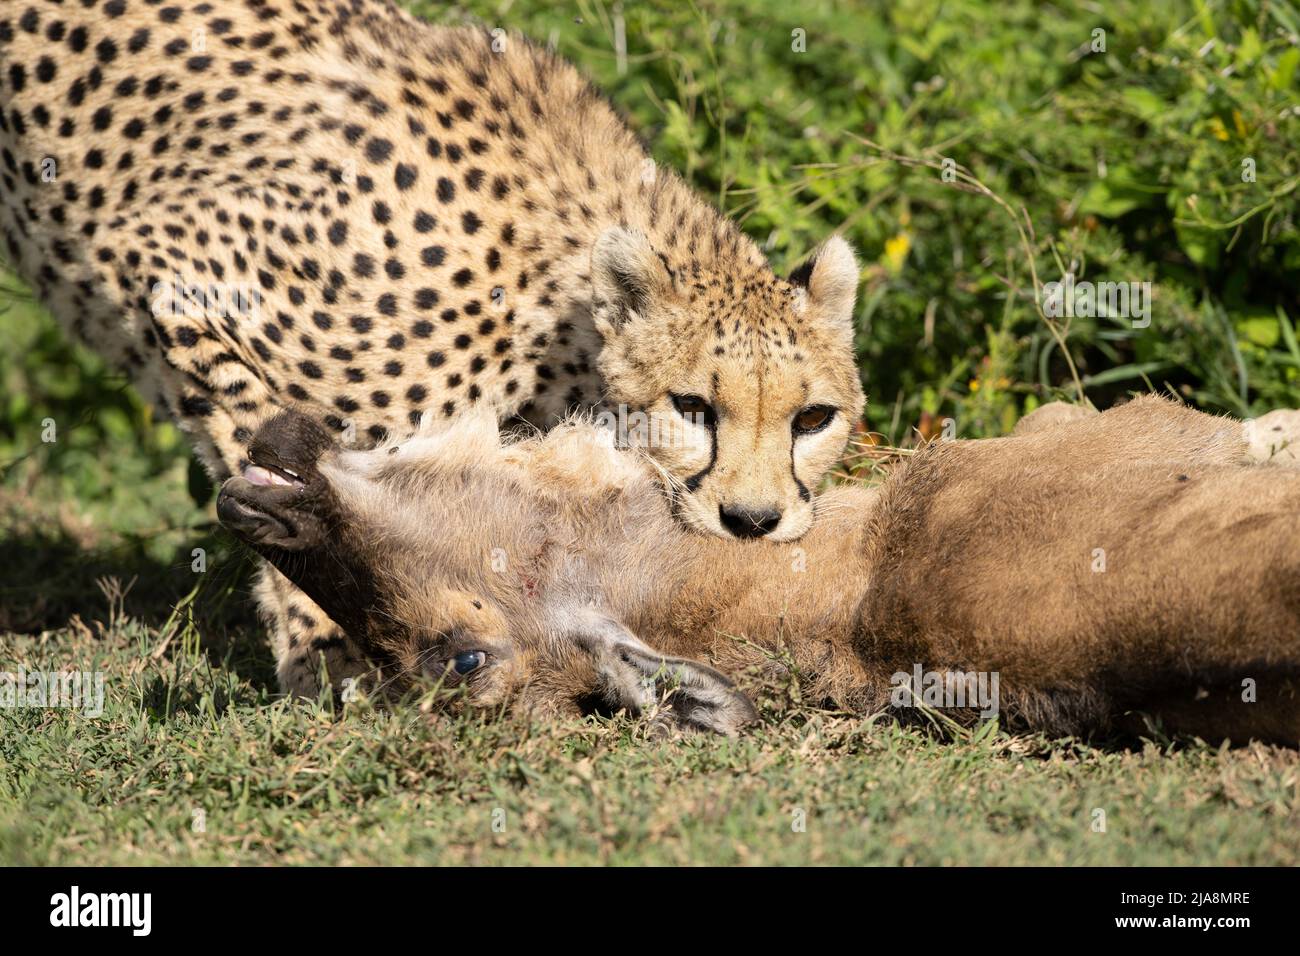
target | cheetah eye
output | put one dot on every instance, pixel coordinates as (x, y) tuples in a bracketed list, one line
[(695, 409), (813, 419)]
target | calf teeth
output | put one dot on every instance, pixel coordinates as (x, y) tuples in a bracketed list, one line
[(257, 475)]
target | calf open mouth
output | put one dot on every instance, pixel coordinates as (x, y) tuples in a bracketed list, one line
[(279, 500), (255, 525), (271, 475), (263, 508)]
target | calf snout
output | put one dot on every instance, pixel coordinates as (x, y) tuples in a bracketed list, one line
[(280, 500), (291, 444)]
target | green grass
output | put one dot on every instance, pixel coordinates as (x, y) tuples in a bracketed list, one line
[(1125, 164), (283, 782), (191, 723)]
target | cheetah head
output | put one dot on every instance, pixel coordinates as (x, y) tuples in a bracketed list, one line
[(743, 386)]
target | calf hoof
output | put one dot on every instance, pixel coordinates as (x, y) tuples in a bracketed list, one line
[(1274, 438)]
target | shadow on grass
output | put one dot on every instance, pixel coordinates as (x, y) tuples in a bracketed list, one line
[(52, 581)]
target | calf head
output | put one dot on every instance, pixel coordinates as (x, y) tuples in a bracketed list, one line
[(400, 545)]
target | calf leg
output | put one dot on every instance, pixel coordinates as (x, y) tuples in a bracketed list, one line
[(311, 651), (1050, 416), (1275, 438), (1158, 427), (1149, 428)]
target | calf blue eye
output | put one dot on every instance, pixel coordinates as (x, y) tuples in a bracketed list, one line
[(468, 662)]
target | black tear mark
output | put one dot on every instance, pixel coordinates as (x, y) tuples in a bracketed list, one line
[(693, 482)]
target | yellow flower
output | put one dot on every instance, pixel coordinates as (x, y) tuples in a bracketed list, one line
[(896, 250)]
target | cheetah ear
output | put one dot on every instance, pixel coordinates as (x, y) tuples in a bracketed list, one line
[(627, 276), (830, 277)]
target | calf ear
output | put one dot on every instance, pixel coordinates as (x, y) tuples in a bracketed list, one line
[(830, 278), (627, 276), (634, 677)]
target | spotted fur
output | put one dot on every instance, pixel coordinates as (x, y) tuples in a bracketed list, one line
[(425, 218)]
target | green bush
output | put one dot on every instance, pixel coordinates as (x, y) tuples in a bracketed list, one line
[(1127, 164), (799, 119)]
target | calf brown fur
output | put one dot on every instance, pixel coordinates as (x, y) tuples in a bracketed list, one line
[(1109, 569)]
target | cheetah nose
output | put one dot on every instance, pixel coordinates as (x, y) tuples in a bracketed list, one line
[(749, 522)]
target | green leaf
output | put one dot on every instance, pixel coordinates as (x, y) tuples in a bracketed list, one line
[(1284, 72), (1261, 330), (1125, 372), (1249, 49), (1109, 200), (1288, 334), (1145, 103), (1201, 245)]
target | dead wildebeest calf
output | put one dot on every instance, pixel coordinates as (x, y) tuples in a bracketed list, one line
[(1071, 577)]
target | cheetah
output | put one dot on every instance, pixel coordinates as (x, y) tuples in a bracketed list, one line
[(974, 564), (255, 204)]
